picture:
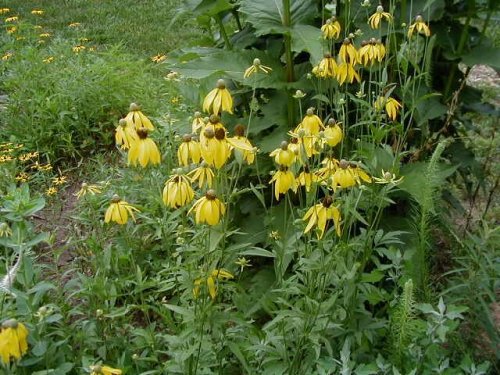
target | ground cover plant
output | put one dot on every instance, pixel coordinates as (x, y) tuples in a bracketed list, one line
[(305, 194)]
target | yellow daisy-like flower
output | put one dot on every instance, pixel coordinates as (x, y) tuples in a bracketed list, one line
[(283, 155), (202, 175), (137, 119), (188, 150), (51, 191), (348, 175), (256, 67), (347, 73), (74, 24), (283, 180), (391, 105), (330, 165), (311, 123), (306, 178), (331, 29), (87, 189), (211, 281), (243, 149), (12, 19), (11, 29), (119, 211), (319, 214), (7, 56), (125, 134), (378, 16), (44, 35), (332, 135), (348, 53), (104, 370), (326, 68), (178, 191), (78, 48), (4, 10), (61, 180), (38, 12), (215, 149), (13, 340), (158, 58), (197, 123), (371, 52), (243, 263), (208, 209), (388, 178), (144, 150), (419, 26), (48, 60), (218, 100)]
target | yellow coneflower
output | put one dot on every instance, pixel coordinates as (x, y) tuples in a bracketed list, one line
[(218, 100), (74, 24), (38, 12), (243, 149), (208, 209), (283, 155), (330, 165), (311, 123), (202, 175), (283, 180), (104, 370), (296, 146), (255, 68), (331, 29), (11, 29), (13, 340), (119, 211), (319, 214), (12, 19), (347, 73), (7, 56), (137, 119), (87, 189), (178, 191), (188, 150), (197, 123), (44, 35), (326, 68), (348, 53), (125, 134), (306, 178), (332, 135), (215, 149), (371, 52), (143, 150), (376, 17), (391, 105), (211, 281), (51, 191), (48, 60), (158, 58), (61, 180), (348, 175), (4, 10), (419, 26), (388, 178)]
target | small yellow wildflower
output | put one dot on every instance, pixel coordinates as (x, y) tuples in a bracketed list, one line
[(28, 156), (256, 67), (218, 100), (391, 105), (4, 10), (197, 123), (125, 134), (376, 17), (243, 149), (243, 263), (202, 175), (332, 135), (44, 35), (348, 53), (48, 60), (158, 58), (275, 235), (104, 370), (51, 191), (74, 24), (137, 119), (22, 177), (87, 189), (7, 56), (347, 73), (319, 214), (388, 178), (177, 191), (143, 150), (11, 29), (371, 52), (215, 149), (173, 76), (326, 68), (211, 281), (348, 175), (283, 155), (78, 48), (331, 29), (119, 210), (189, 150), (306, 178), (208, 209), (13, 340), (38, 12), (5, 158), (61, 180), (5, 230), (419, 26), (12, 19), (283, 180)]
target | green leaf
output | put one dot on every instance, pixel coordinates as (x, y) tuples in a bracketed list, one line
[(372, 277), (307, 38), (483, 54), (208, 7), (258, 252), (179, 310), (267, 16)]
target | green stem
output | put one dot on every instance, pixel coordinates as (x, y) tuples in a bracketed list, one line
[(227, 42), (289, 58)]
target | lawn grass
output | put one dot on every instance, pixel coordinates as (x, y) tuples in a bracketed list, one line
[(143, 27)]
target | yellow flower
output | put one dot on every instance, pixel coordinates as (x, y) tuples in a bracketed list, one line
[(201, 175), (5, 158), (74, 24), (188, 150), (5, 230), (137, 119), (243, 149), (177, 191), (218, 100), (347, 73), (348, 53), (51, 191), (12, 19), (104, 370), (243, 262), (391, 105), (326, 68), (348, 175), (208, 209), (143, 150), (311, 123), (37, 11), (376, 17), (119, 210), (22, 177), (388, 178), (283, 155), (255, 68), (11, 29), (4, 10), (319, 214), (419, 26), (48, 60), (211, 281), (306, 178), (215, 149), (330, 165), (371, 52), (125, 134), (44, 35), (7, 56), (78, 48), (331, 29), (13, 343), (197, 123), (158, 58), (332, 135), (283, 180), (87, 189), (61, 180)]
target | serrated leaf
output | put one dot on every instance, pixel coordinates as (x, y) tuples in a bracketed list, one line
[(307, 38)]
